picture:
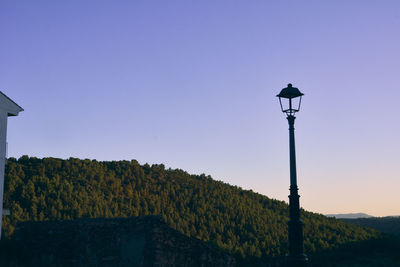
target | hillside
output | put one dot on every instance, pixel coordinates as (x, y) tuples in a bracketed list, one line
[(389, 225), (240, 221)]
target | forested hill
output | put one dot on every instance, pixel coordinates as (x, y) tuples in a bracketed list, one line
[(389, 225), (240, 221)]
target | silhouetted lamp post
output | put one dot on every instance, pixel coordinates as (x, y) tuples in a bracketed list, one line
[(290, 100)]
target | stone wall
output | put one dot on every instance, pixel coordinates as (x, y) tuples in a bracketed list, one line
[(138, 241)]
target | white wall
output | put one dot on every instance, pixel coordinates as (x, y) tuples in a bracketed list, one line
[(3, 139)]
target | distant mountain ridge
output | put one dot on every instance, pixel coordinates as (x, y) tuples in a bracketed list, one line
[(350, 215)]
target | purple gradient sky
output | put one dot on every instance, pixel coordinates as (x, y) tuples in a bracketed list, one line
[(193, 84)]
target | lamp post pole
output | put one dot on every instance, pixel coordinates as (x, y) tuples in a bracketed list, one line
[(296, 255), (290, 100)]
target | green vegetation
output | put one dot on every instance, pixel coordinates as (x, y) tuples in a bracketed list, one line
[(375, 252), (240, 221), (389, 224)]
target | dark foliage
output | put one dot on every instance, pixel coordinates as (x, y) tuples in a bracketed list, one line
[(240, 221), (389, 225), (383, 251)]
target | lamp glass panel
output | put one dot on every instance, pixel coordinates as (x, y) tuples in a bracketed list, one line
[(284, 104), (290, 105), (296, 102)]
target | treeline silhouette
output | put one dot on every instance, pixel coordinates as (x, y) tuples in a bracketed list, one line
[(240, 221), (389, 224)]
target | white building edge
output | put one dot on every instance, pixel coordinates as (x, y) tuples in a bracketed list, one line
[(7, 108)]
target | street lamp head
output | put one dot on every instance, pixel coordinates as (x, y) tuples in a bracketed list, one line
[(290, 99)]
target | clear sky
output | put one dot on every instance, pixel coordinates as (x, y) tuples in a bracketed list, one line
[(192, 84)]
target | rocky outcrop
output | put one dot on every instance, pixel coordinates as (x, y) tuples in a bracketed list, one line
[(138, 241)]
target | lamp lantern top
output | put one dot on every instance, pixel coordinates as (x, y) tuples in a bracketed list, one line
[(290, 92), (293, 102)]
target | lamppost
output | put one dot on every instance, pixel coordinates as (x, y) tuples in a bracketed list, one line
[(290, 100)]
